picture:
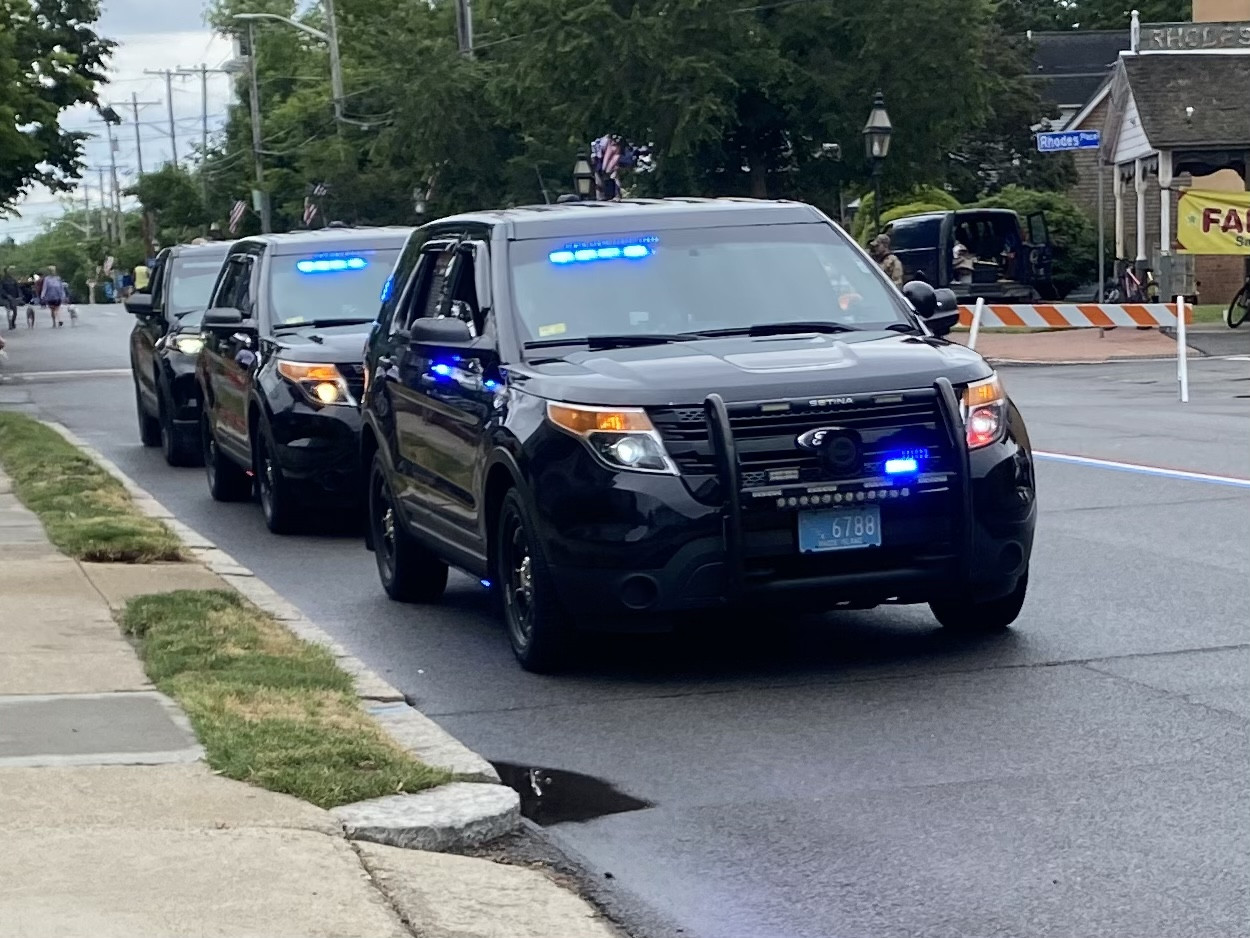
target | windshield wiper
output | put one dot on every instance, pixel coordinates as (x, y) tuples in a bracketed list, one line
[(778, 328), (904, 327), (600, 342), (319, 324)]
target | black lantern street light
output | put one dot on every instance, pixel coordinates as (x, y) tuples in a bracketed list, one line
[(877, 147), (583, 177)]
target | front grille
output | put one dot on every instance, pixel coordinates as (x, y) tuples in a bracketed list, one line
[(765, 435), (354, 375)]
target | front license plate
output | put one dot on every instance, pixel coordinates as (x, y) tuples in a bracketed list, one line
[(839, 529)]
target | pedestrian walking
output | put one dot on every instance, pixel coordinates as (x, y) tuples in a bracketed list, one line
[(10, 296), (891, 265), (52, 293)]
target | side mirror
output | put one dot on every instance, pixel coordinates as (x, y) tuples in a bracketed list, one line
[(444, 332), (139, 304), (922, 297), (945, 316), (222, 317)]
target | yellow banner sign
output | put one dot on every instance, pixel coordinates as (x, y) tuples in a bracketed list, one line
[(1211, 222)]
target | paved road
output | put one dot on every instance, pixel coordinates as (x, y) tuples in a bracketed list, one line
[(864, 775)]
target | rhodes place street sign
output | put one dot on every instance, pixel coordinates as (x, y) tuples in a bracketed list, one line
[(1060, 141)]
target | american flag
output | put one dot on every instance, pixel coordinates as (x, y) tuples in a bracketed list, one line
[(237, 211), (611, 157), (310, 210), (320, 189)]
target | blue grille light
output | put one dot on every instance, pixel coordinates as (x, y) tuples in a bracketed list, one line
[(486, 583), (901, 466), (440, 369), (580, 254), (326, 265)]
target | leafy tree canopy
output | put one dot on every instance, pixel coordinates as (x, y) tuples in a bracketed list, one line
[(50, 60)]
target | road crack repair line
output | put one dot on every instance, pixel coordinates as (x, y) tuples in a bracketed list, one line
[(844, 681)]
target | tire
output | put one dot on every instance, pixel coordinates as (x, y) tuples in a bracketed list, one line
[(227, 482), (409, 571), (181, 448), (149, 427), (971, 617), (1239, 309), (278, 499), (537, 625)]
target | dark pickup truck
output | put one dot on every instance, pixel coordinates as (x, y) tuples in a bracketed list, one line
[(1012, 264)]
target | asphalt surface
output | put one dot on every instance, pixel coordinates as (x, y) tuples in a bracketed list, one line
[(860, 775)]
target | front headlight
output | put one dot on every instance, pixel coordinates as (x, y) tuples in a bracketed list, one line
[(623, 437), (188, 344), (321, 384), (984, 408)]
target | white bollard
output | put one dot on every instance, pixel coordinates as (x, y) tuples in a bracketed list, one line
[(1182, 351), (976, 322)]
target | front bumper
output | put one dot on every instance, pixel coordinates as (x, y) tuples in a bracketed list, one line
[(183, 389), (628, 543), (317, 446)]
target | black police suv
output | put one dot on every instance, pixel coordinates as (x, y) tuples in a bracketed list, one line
[(280, 372), (613, 410), (164, 344)]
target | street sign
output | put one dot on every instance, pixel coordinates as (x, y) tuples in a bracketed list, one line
[(1059, 141)]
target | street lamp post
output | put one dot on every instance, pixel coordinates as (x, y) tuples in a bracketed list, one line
[(330, 38), (877, 147), (583, 177)]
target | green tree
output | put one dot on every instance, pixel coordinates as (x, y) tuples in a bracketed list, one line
[(172, 197), (50, 60)]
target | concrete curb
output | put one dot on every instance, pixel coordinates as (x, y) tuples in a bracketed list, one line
[(458, 815)]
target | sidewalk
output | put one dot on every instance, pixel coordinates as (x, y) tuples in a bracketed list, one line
[(113, 828)]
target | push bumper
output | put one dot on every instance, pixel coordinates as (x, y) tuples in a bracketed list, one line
[(655, 548), (319, 447)]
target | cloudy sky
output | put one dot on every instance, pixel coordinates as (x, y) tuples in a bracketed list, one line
[(151, 34)]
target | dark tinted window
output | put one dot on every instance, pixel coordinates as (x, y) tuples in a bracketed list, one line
[(915, 234), (339, 285), (191, 283), (697, 279)]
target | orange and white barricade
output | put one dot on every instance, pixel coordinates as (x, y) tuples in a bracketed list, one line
[(1072, 315)]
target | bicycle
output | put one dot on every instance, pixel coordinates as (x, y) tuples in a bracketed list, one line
[(1239, 309)]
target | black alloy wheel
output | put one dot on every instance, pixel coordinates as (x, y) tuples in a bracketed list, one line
[(149, 427), (278, 499), (227, 482), (181, 447), (408, 570), (537, 625), (1239, 309)]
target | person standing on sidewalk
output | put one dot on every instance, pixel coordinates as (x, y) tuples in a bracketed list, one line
[(52, 294), (10, 296)]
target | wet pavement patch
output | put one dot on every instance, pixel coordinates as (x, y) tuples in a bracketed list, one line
[(553, 796)]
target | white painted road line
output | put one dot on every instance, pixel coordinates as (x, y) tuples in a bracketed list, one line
[(1144, 470)]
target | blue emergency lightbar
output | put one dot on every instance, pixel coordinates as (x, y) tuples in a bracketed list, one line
[(326, 265), (581, 254)]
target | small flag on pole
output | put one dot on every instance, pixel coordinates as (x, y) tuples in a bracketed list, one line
[(310, 210), (237, 211)]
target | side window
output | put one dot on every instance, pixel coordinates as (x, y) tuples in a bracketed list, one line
[(156, 282), (414, 295), (393, 291), (243, 297), (227, 284), (436, 293), (463, 290)]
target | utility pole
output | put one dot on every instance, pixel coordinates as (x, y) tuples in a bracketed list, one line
[(117, 198), (168, 75), (134, 104), (254, 101), (336, 68), (464, 26), (86, 205), (104, 223), (203, 72)]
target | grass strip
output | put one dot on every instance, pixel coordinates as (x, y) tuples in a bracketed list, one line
[(268, 707), (87, 513)]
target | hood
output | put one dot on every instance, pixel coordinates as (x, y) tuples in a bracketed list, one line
[(749, 369), (336, 344)]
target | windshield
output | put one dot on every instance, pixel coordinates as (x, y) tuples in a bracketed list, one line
[(191, 283), (696, 280), (334, 286)]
